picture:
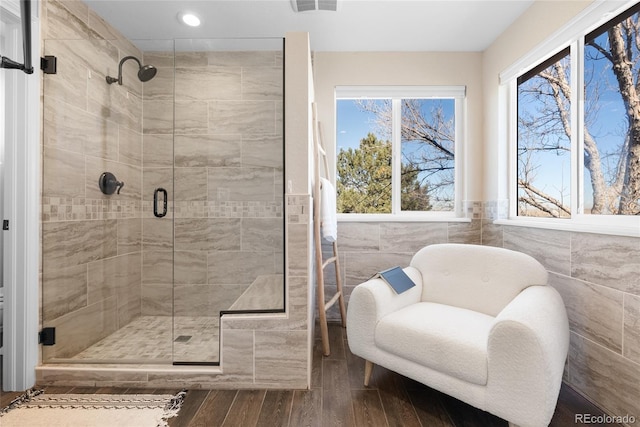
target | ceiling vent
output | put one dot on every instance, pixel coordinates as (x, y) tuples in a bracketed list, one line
[(306, 5)]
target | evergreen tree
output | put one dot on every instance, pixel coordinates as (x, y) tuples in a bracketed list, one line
[(364, 180), (414, 196)]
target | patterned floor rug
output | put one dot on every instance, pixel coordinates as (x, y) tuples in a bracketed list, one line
[(36, 408)]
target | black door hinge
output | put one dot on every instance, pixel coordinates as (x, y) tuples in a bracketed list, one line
[(49, 64), (47, 336), (5, 224)]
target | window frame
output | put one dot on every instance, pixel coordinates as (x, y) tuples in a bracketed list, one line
[(396, 94), (571, 36)]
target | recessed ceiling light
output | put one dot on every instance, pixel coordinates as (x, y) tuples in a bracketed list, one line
[(189, 19)]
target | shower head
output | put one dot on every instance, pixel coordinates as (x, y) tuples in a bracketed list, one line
[(145, 72)]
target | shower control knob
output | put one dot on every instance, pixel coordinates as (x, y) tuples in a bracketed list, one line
[(109, 184)]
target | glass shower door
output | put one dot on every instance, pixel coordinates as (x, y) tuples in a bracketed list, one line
[(157, 194), (228, 188)]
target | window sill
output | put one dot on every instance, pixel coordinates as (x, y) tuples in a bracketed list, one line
[(399, 218), (575, 226)]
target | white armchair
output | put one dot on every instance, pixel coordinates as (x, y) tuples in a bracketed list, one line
[(481, 325)]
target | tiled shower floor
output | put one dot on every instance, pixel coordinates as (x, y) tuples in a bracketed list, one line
[(151, 339), (164, 339)]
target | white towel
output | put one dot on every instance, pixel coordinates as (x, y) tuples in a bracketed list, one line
[(328, 218)]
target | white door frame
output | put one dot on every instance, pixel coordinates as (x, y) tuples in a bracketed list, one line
[(21, 206)]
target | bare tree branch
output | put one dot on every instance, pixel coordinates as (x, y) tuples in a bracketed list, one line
[(531, 190)]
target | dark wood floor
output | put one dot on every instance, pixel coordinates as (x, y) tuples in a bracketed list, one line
[(337, 398)]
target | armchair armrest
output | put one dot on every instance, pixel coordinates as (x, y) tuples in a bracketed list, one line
[(527, 349), (372, 300)]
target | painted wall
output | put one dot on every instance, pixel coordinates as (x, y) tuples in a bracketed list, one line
[(366, 247), (539, 22), (333, 69)]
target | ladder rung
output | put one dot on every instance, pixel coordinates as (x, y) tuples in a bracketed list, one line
[(329, 260), (332, 301)]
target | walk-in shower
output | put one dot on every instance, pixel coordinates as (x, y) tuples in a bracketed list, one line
[(119, 283)]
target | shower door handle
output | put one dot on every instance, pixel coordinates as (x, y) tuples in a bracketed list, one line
[(157, 213)]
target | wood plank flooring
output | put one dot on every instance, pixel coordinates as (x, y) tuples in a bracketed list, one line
[(337, 398)]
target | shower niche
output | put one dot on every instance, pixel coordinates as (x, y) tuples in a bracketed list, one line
[(201, 120)]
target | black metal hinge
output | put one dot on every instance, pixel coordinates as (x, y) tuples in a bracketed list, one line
[(5, 224), (49, 64), (47, 336)]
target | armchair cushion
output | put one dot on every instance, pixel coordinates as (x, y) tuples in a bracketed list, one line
[(448, 339), (478, 278)]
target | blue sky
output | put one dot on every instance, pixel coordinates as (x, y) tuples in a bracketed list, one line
[(352, 124)]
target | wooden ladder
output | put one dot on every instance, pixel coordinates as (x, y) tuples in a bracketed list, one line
[(322, 263)]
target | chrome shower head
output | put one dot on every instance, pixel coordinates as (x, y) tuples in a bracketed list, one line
[(145, 72)]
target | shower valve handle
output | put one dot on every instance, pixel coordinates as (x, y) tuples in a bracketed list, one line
[(109, 184)]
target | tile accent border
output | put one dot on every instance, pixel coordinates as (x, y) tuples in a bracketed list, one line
[(496, 209), (224, 209), (56, 209)]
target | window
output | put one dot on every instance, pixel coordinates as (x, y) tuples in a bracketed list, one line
[(544, 144), (577, 128), (398, 150), (611, 139)]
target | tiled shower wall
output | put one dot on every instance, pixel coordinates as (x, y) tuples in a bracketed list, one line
[(228, 194), (91, 243), (107, 259)]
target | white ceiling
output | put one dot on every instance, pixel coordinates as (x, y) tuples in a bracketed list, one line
[(358, 25)]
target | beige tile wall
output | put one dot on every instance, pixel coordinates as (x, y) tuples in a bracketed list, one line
[(258, 351), (91, 243), (598, 277)]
